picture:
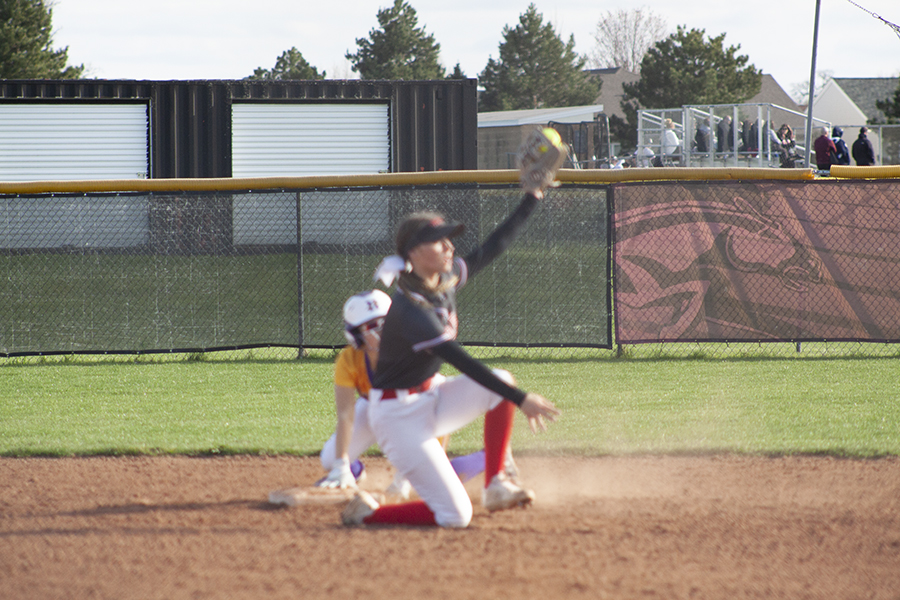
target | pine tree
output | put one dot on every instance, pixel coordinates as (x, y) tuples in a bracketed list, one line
[(400, 49), (457, 73), (890, 107), (890, 145), (536, 69), (26, 34), (686, 69), (290, 65)]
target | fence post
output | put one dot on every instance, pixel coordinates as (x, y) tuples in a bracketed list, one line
[(300, 351)]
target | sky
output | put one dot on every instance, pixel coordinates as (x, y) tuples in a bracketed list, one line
[(229, 39)]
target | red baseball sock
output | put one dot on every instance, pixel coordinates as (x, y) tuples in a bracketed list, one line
[(407, 513), (498, 425)]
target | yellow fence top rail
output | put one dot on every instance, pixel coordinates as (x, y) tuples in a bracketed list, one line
[(425, 178), (847, 172)]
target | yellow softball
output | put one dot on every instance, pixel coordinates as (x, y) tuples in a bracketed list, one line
[(552, 136)]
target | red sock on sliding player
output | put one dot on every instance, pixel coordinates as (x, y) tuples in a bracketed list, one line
[(407, 513), (498, 424)]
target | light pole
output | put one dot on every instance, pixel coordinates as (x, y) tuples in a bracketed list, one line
[(812, 85)]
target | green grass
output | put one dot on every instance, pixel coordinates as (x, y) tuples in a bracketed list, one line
[(116, 302), (265, 401), (150, 302)]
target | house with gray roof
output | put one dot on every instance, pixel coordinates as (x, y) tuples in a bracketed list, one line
[(849, 102)]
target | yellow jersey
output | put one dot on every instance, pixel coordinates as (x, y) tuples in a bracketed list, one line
[(350, 370)]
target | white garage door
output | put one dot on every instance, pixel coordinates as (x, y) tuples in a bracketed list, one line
[(51, 142), (286, 140)]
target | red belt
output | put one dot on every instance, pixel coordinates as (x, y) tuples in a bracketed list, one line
[(418, 389)]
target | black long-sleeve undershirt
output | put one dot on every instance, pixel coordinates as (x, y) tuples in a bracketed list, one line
[(451, 352)]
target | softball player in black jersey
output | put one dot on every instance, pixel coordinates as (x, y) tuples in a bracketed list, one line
[(412, 405)]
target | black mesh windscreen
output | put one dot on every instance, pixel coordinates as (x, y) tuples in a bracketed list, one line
[(154, 272)]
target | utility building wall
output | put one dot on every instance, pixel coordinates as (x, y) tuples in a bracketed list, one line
[(425, 125)]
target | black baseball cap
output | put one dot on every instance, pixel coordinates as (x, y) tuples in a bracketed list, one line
[(431, 231)]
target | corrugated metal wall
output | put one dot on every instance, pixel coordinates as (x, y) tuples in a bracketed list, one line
[(433, 123), (436, 126), (73, 141), (290, 139), (190, 129)]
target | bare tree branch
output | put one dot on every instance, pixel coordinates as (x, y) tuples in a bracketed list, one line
[(624, 36)]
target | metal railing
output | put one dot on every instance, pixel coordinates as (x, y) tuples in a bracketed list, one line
[(722, 135)]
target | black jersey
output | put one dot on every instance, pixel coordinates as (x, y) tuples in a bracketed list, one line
[(414, 325), (420, 330)]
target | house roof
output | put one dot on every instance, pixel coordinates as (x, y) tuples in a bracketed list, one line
[(609, 102), (611, 89), (770, 92), (865, 91), (538, 116)]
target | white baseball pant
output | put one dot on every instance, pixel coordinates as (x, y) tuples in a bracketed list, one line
[(407, 429)]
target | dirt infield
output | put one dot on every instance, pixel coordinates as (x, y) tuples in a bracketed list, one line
[(613, 527)]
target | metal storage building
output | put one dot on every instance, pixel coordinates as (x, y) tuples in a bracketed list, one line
[(104, 129)]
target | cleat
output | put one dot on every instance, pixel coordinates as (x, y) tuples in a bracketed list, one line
[(502, 494), (362, 505), (510, 469), (400, 488)]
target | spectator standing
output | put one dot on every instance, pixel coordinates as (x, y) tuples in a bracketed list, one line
[(753, 137), (786, 135), (724, 134), (701, 138), (825, 150), (863, 153), (748, 143), (736, 127), (842, 155)]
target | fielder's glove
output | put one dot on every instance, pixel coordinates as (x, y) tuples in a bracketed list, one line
[(339, 476), (540, 157)]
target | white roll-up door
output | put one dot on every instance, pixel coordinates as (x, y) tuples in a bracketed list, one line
[(51, 142), (285, 140)]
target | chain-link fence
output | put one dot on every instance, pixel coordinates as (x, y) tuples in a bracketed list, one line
[(191, 272), (705, 269)]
